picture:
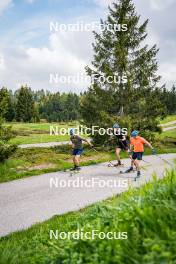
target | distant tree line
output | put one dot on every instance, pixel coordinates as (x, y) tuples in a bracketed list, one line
[(25, 105)]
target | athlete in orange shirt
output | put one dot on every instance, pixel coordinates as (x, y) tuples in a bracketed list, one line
[(137, 148)]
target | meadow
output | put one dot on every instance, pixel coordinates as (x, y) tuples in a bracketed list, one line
[(30, 133), (36, 161)]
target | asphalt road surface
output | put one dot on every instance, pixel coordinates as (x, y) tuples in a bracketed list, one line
[(35, 199)]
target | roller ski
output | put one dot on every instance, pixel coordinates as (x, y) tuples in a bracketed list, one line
[(119, 164), (130, 170), (138, 175), (74, 170)]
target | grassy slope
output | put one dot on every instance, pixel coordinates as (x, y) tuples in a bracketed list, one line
[(168, 119), (148, 215), (29, 162), (168, 134), (28, 133)]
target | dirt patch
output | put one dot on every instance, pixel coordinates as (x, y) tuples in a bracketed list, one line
[(42, 167), (83, 159)]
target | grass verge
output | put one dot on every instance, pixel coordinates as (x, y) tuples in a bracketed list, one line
[(36, 161), (147, 215), (168, 119), (30, 133)]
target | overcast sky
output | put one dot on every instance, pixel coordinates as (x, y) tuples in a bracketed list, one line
[(29, 52)]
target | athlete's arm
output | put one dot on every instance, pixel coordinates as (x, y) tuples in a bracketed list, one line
[(148, 144), (87, 141)]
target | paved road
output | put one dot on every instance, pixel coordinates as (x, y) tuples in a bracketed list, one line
[(169, 128), (31, 200), (43, 145), (169, 123)]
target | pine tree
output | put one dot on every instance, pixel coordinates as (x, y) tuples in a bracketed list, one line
[(6, 133), (10, 113), (172, 100), (25, 105), (123, 53), (3, 101)]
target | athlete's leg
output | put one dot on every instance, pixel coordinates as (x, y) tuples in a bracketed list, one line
[(130, 156), (74, 160), (117, 151), (137, 164), (77, 160)]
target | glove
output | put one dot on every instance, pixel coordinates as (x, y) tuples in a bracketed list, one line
[(154, 152)]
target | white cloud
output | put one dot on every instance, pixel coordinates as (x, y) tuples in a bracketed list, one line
[(168, 72), (161, 4), (66, 54), (4, 4), (26, 62), (103, 3)]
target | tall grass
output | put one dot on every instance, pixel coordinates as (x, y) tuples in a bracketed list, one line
[(148, 215)]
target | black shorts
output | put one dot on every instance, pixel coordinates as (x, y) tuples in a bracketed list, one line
[(122, 144), (137, 155)]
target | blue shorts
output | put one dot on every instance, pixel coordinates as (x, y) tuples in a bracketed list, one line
[(137, 155), (77, 152)]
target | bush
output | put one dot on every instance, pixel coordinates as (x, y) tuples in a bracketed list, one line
[(6, 150)]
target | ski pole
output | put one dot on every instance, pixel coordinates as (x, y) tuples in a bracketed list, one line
[(164, 160), (145, 161), (108, 161)]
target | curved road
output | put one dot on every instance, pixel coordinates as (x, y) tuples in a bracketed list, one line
[(31, 200)]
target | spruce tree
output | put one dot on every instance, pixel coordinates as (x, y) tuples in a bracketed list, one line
[(6, 133), (25, 105), (124, 53)]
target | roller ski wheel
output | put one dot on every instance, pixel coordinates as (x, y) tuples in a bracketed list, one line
[(115, 165), (74, 171), (138, 176), (127, 171), (123, 172)]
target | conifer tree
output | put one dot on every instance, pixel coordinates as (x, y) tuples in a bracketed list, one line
[(25, 105), (123, 53)]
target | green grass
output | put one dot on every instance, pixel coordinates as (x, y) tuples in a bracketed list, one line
[(29, 133), (38, 138), (36, 161), (168, 134), (43, 127), (26, 162), (169, 118), (147, 214)]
